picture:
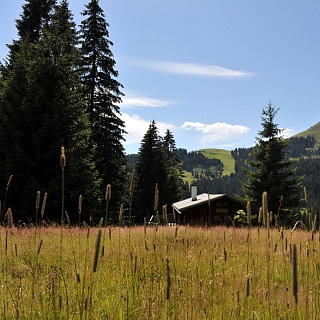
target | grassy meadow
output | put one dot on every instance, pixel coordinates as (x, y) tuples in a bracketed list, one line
[(224, 155), (159, 273)]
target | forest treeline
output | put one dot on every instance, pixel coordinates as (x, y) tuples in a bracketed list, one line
[(306, 161), (303, 152)]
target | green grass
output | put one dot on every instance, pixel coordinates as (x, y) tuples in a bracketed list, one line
[(224, 155), (188, 176), (158, 273), (312, 131)]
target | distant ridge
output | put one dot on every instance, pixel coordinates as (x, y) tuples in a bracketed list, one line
[(312, 131)]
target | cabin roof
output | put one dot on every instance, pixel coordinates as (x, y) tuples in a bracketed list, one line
[(201, 199)]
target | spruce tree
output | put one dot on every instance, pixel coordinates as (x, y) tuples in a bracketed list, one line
[(42, 108), (103, 96), (36, 14), (269, 170), (175, 184), (150, 170)]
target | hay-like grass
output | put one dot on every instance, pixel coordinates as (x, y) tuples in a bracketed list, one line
[(159, 273)]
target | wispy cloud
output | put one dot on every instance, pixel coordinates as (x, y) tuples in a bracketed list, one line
[(218, 132), (288, 132), (140, 101), (137, 127), (193, 69)]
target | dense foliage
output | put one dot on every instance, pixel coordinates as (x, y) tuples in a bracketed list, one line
[(268, 169), (41, 109), (103, 95), (158, 174), (59, 88)]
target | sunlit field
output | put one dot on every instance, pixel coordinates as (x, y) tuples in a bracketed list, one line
[(158, 273)]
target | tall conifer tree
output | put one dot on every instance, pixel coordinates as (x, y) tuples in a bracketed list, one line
[(175, 184), (103, 96), (151, 169), (42, 108), (269, 170)]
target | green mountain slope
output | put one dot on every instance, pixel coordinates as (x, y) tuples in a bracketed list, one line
[(312, 131), (225, 157)]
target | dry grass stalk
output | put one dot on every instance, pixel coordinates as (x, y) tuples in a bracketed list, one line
[(108, 192), (132, 184), (63, 160), (314, 224), (305, 195), (44, 202), (38, 200), (8, 183), (37, 206), (294, 273), (260, 216), (121, 213), (249, 213), (68, 219), (4, 202), (9, 218), (265, 208), (164, 213), (96, 254), (80, 205), (156, 198), (168, 284), (108, 198)]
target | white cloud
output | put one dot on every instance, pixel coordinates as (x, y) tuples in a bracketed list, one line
[(218, 132), (192, 69), (137, 127), (287, 133), (136, 101)]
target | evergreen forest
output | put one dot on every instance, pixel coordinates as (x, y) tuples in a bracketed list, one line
[(302, 150), (60, 97)]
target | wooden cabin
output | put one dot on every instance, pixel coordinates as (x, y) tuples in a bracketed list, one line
[(207, 210)]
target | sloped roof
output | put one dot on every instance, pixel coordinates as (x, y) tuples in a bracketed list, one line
[(201, 199)]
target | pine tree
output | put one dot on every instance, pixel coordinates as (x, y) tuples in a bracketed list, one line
[(151, 169), (103, 96), (269, 170), (175, 185), (36, 14), (42, 108)]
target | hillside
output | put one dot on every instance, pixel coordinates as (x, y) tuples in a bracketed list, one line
[(223, 155), (312, 131)]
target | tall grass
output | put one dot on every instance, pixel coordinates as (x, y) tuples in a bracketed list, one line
[(159, 273)]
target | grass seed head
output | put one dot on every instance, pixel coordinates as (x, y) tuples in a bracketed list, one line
[(80, 204), (121, 213), (44, 204), (62, 159), (8, 183), (38, 200), (156, 197), (108, 192), (96, 254)]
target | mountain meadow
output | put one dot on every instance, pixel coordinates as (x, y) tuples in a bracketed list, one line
[(118, 271), (76, 238), (159, 272)]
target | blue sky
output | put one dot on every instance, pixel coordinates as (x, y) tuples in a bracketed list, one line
[(205, 68)]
